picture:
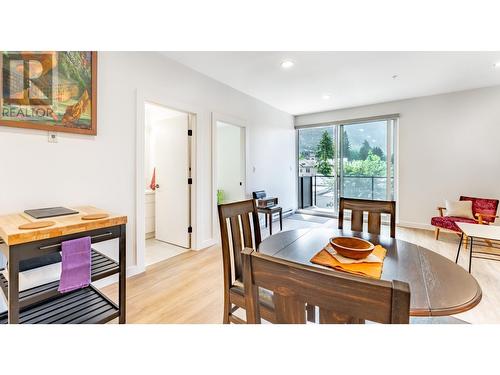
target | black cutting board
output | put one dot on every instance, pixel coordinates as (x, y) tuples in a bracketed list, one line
[(42, 213)]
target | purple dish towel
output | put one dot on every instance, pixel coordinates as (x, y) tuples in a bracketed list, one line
[(76, 264)]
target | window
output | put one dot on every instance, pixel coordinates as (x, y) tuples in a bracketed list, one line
[(353, 159)]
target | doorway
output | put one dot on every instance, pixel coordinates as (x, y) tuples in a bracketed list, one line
[(167, 190), (230, 162)]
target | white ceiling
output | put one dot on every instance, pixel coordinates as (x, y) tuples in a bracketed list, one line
[(351, 78)]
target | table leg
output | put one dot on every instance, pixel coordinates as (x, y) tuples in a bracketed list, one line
[(270, 224), (281, 220), (13, 303), (459, 246), (265, 218), (123, 274), (470, 255)]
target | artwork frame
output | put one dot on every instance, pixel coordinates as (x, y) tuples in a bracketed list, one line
[(67, 122)]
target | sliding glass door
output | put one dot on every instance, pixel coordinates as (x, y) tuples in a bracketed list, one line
[(318, 166), (353, 159)]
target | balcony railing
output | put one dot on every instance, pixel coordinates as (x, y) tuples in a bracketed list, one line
[(323, 189)]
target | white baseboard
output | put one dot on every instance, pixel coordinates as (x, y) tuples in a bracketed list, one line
[(409, 224), (135, 270), (205, 244), (306, 211)]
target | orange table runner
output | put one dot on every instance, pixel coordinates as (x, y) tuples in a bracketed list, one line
[(374, 270)]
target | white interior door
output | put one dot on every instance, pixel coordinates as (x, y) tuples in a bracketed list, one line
[(171, 159), (231, 161)]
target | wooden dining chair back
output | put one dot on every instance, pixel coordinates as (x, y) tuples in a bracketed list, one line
[(340, 297), (239, 228), (236, 220), (374, 208)]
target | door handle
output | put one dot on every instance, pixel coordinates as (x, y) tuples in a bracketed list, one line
[(157, 186)]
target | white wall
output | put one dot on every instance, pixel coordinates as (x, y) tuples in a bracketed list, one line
[(448, 146), (101, 170)]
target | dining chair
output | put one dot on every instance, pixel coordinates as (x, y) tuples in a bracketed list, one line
[(239, 228), (374, 208), (340, 297)]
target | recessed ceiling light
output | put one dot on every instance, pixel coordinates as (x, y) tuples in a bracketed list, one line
[(395, 76), (326, 96), (287, 64)]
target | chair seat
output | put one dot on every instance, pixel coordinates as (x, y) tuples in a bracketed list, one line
[(265, 296), (271, 209), (449, 222)]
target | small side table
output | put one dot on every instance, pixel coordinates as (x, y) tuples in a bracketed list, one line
[(477, 231), (269, 207)]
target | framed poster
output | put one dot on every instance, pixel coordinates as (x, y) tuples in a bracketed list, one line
[(50, 90)]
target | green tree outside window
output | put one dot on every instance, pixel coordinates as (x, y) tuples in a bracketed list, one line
[(324, 154)]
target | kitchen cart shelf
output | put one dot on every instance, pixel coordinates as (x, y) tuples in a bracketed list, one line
[(82, 306), (102, 267), (43, 303)]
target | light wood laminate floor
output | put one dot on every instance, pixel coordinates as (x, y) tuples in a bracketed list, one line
[(188, 287), (157, 251)]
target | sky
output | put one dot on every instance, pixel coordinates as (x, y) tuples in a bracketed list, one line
[(374, 132)]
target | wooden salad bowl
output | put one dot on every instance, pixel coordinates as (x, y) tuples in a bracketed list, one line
[(352, 247)]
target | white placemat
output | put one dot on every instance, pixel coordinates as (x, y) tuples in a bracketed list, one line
[(369, 259)]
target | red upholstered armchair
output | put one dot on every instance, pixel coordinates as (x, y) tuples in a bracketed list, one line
[(484, 211)]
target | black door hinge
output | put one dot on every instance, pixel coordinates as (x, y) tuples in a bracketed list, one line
[(190, 181), (190, 132), (190, 229)]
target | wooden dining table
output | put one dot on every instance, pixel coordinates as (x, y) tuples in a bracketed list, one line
[(438, 286)]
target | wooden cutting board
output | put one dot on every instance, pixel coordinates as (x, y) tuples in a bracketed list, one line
[(95, 216), (37, 225)]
